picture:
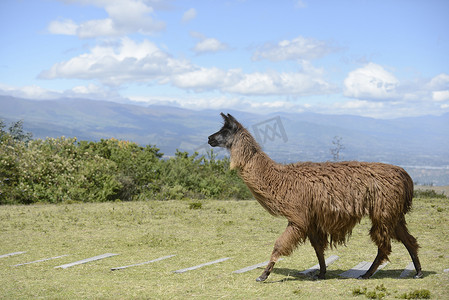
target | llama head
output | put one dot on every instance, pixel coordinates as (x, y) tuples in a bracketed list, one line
[(225, 136)]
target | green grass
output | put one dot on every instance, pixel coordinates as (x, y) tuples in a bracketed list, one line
[(198, 233)]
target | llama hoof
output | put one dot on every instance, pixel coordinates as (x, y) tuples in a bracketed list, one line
[(261, 278), (318, 276), (363, 277), (418, 275)]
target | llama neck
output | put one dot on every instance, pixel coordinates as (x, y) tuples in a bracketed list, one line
[(256, 174), (244, 150), (255, 167), (249, 159)]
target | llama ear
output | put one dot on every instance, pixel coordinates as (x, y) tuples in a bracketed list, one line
[(233, 122), (225, 118), (232, 119)]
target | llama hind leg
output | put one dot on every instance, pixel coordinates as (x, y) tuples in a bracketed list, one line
[(283, 246), (382, 239), (411, 244), (381, 257)]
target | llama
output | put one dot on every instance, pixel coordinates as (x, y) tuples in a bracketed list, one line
[(323, 201)]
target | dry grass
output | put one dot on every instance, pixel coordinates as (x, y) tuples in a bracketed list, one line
[(242, 230)]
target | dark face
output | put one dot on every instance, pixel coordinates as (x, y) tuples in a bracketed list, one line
[(225, 136)]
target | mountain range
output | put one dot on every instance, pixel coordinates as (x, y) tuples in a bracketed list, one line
[(420, 144)]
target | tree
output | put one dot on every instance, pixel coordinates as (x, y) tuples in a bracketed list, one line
[(338, 146), (17, 132)]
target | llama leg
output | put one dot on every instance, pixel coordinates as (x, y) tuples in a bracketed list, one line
[(411, 244), (380, 257), (284, 246), (382, 239), (319, 243)]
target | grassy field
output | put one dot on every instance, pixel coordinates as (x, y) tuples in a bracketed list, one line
[(198, 233)]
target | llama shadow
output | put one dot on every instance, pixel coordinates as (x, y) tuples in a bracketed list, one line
[(295, 275)]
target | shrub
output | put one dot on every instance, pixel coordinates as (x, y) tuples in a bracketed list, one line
[(54, 170), (194, 176), (417, 294), (138, 168), (195, 205), (379, 292), (66, 170), (428, 194)]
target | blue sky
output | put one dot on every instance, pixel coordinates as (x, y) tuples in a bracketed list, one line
[(381, 59)]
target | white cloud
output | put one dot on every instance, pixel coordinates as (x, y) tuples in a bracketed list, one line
[(371, 82), (439, 87), (299, 48), (97, 28), (34, 92), (130, 61), (29, 92), (125, 16), (275, 83), (235, 81), (66, 27), (360, 105), (220, 102), (88, 90), (189, 15), (204, 79), (440, 96), (209, 45), (133, 16), (378, 93), (439, 82)]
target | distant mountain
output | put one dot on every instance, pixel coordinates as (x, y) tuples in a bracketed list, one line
[(414, 141)]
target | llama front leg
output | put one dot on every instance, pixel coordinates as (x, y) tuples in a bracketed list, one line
[(284, 246), (268, 269), (318, 239)]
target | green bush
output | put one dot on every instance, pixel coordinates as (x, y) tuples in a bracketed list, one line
[(379, 292), (428, 194), (65, 170), (54, 170), (417, 294), (195, 205), (137, 167), (184, 176)]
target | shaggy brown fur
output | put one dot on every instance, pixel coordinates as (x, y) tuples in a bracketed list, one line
[(323, 201)]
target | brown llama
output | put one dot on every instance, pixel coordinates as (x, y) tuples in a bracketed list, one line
[(323, 201)]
